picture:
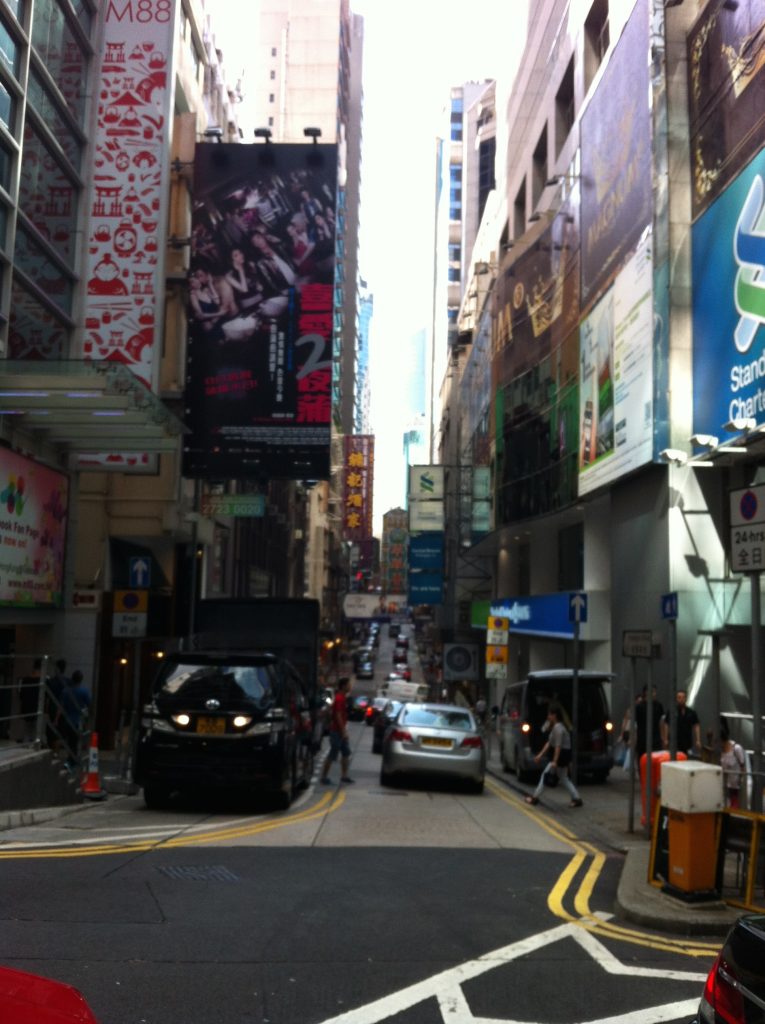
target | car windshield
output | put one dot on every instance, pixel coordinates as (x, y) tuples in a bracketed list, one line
[(438, 718), (190, 682)]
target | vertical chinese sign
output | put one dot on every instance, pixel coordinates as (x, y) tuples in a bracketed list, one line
[(358, 478), (261, 291), (129, 193)]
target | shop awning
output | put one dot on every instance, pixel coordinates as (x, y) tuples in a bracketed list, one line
[(84, 408)]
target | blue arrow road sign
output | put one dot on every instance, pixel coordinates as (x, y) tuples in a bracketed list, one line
[(140, 572), (577, 608), (669, 605)]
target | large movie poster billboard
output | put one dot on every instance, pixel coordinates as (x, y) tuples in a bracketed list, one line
[(617, 173), (261, 287)]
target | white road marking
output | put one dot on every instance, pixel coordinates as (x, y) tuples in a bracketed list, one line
[(446, 986)]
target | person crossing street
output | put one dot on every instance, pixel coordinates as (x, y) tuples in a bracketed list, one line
[(558, 748)]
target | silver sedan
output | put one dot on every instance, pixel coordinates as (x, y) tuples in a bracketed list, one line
[(435, 740)]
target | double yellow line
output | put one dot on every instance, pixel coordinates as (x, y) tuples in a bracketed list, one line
[(588, 859), (328, 803)]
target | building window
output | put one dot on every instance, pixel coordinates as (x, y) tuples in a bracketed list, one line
[(539, 168), (270, 122), (6, 166), (596, 40), (455, 254), (9, 51), (454, 274), (62, 54), (42, 175), (34, 332), (486, 154), (7, 109), (456, 128), (271, 97), (55, 118), (519, 212), (273, 51), (273, 75), (564, 108)]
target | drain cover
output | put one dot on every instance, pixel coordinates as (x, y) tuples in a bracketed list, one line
[(192, 873)]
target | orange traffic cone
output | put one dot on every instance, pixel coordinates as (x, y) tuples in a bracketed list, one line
[(91, 780)]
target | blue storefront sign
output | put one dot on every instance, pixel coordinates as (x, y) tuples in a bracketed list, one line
[(729, 305), (544, 615), (426, 588), (426, 551)]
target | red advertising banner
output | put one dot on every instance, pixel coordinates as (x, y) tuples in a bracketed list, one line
[(33, 512), (358, 479), (261, 301)]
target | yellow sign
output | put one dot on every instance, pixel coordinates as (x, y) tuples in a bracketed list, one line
[(131, 600), (496, 656)]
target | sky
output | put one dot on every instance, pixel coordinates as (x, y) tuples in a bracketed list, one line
[(414, 52)]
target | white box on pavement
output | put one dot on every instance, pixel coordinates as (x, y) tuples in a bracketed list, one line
[(691, 787)]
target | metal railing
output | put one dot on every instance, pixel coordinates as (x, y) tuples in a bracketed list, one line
[(31, 714)]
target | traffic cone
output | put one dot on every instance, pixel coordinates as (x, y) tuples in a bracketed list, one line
[(91, 780)]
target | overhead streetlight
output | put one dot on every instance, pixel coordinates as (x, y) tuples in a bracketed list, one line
[(674, 456), (312, 133), (708, 441), (740, 425), (263, 133)]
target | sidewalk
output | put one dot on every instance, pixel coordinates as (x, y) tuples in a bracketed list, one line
[(604, 819)]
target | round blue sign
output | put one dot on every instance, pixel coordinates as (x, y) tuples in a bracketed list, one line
[(130, 601), (748, 505)]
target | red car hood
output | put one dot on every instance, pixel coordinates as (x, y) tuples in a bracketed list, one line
[(30, 999)]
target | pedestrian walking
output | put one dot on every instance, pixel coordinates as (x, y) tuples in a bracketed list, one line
[(688, 727), (733, 764), (29, 697), (558, 750), (56, 685), (338, 734), (75, 701)]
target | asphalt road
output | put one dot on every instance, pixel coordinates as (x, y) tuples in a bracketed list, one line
[(358, 905)]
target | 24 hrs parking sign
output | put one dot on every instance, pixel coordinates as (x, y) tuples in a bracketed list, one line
[(747, 529)]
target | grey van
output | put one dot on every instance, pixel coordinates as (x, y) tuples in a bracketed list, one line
[(523, 713)]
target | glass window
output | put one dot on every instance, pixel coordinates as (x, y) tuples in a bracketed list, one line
[(6, 166), (9, 51), (61, 54), (34, 333), (18, 7), (83, 12), (454, 273), (7, 108), (47, 196), (48, 276), (48, 109), (273, 51), (455, 211)]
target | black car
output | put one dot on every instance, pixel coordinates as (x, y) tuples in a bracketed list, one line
[(357, 707), (229, 722), (365, 670), (383, 719), (735, 989)]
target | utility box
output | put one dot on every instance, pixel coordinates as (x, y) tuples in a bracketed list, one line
[(691, 787), (692, 792)]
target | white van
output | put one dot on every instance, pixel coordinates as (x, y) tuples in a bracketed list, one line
[(400, 689)]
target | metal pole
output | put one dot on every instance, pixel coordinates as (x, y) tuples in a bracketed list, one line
[(673, 692), (575, 704), (633, 726), (194, 581), (754, 580), (649, 749), (136, 711)]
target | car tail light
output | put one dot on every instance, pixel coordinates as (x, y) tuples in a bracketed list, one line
[(722, 998), (401, 735), (472, 741), (369, 712)]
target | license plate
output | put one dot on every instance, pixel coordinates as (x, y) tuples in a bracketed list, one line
[(211, 726), (435, 741)]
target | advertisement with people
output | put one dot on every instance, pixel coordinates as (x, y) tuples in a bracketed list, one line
[(616, 377), (34, 502), (729, 305), (261, 291)]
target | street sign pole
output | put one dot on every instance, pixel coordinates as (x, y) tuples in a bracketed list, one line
[(575, 705), (754, 580), (649, 750), (673, 694), (631, 746)]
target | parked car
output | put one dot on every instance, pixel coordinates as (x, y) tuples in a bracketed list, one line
[(393, 629), (400, 656), (30, 999), (434, 740), (735, 989), (382, 722), (523, 713), (374, 707), (366, 670), (242, 721), (358, 707), (402, 641)]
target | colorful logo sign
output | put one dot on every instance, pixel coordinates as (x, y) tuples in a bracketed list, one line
[(729, 304)]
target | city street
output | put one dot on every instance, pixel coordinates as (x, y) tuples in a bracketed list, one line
[(359, 904)]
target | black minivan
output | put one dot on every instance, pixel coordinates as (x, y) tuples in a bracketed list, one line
[(523, 714), (235, 723)]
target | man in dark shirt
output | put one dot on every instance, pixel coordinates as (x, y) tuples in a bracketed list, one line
[(688, 727), (338, 734)]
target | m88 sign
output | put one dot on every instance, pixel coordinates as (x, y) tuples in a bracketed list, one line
[(139, 11)]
